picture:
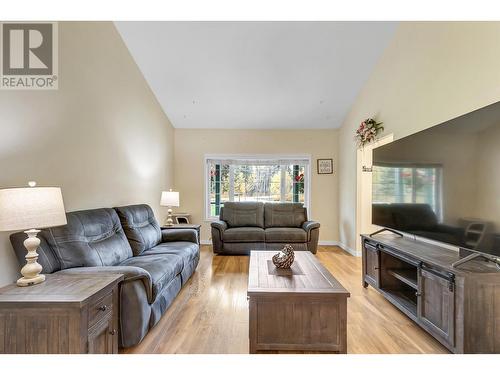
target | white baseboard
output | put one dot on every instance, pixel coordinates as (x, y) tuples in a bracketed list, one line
[(346, 248), (321, 243), (341, 245), (328, 243)]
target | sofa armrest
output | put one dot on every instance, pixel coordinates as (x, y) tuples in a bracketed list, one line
[(219, 224), (185, 234), (310, 225), (130, 274), (312, 230), (218, 227)]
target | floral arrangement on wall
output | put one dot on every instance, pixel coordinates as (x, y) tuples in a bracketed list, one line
[(368, 131)]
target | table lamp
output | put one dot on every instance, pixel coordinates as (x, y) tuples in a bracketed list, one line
[(27, 209), (169, 199)]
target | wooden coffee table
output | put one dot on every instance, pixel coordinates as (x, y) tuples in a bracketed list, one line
[(300, 309)]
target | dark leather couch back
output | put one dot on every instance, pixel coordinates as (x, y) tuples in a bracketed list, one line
[(291, 215), (243, 214), (140, 226), (91, 238), (99, 237)]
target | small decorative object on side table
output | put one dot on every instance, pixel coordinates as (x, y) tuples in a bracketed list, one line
[(169, 199), (67, 314), (196, 227), (284, 259), (181, 218), (31, 209)]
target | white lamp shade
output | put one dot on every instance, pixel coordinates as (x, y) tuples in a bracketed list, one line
[(31, 208), (169, 199)]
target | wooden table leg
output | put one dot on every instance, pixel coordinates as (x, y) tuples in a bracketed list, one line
[(252, 334)]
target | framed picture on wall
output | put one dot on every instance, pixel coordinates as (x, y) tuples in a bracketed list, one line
[(325, 166)]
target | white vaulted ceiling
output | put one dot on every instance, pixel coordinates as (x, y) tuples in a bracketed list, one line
[(256, 75)]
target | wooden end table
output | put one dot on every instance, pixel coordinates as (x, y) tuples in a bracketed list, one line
[(300, 309), (66, 314)]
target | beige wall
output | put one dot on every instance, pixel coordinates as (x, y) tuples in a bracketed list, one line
[(192, 145), (102, 136), (430, 73)]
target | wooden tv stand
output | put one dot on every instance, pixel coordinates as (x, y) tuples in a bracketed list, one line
[(460, 307)]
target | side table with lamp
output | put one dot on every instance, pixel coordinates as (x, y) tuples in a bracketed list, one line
[(169, 199), (62, 313), (31, 209)]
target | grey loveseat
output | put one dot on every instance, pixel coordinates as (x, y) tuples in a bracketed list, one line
[(246, 226), (128, 240)]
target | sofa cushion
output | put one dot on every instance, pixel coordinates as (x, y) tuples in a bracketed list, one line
[(187, 251), (285, 235), (163, 268), (90, 238), (140, 226), (284, 215), (243, 214), (244, 234)]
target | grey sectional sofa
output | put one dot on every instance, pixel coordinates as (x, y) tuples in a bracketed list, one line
[(156, 263), (246, 226)]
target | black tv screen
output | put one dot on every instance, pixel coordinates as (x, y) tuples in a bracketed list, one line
[(443, 183)]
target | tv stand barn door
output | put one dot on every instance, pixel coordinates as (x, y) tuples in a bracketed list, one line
[(371, 265), (457, 306), (436, 305)]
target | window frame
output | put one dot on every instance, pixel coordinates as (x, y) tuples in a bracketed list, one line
[(266, 157)]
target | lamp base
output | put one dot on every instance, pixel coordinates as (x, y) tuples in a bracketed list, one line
[(23, 281), (169, 221), (31, 270)]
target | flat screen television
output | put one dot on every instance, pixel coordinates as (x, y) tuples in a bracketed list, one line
[(443, 183)]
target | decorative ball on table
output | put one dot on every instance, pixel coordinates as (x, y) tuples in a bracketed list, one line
[(285, 258)]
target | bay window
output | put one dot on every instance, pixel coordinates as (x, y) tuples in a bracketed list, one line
[(252, 178)]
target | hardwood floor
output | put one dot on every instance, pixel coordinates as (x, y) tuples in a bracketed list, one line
[(210, 315)]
